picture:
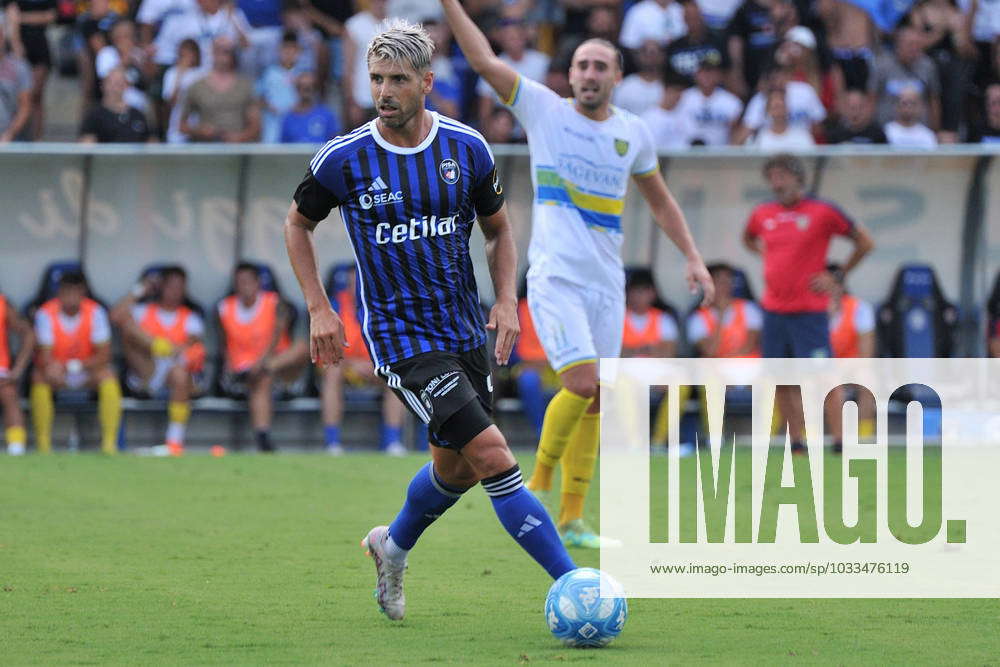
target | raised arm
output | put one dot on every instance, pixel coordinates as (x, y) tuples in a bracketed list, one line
[(478, 52), (326, 332), (501, 253), (670, 219)]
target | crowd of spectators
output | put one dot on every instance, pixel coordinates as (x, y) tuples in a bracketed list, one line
[(778, 74)]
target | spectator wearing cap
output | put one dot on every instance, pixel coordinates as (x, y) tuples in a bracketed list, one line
[(906, 131), (710, 110), (276, 87), (221, 106), (309, 121), (671, 129), (805, 110), (659, 20), (777, 134), (359, 30), (642, 90), (512, 36), (686, 52), (797, 52), (855, 122), (906, 67)]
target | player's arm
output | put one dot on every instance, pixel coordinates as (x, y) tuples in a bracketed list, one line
[(478, 52), (326, 331), (863, 244), (670, 219), (501, 253), (26, 334)]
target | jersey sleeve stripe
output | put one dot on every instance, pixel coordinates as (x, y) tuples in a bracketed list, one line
[(648, 172), (320, 158), (515, 91), (330, 144)]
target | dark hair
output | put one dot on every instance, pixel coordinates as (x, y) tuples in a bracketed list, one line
[(72, 279), (189, 43), (173, 271), (248, 266), (674, 79), (289, 37), (789, 163), (716, 267), (639, 276)]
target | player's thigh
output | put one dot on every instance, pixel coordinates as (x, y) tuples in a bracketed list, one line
[(606, 315), (810, 335), (559, 313)]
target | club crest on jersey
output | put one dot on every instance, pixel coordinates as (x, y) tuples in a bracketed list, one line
[(449, 171), (621, 147)]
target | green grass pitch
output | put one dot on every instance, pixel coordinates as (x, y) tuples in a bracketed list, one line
[(252, 559)]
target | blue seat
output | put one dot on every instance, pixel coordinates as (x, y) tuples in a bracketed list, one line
[(916, 320)]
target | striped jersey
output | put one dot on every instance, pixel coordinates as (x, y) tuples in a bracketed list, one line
[(580, 169), (409, 214)]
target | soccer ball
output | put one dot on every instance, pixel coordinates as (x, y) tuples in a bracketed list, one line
[(576, 613)]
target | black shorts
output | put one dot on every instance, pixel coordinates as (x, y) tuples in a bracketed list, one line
[(36, 45), (436, 386)]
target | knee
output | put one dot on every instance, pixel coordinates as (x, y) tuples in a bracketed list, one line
[(460, 475), (585, 386), (488, 454)]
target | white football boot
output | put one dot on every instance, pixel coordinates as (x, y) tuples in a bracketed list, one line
[(389, 585)]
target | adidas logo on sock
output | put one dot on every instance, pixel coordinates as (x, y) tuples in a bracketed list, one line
[(377, 185), (530, 523)]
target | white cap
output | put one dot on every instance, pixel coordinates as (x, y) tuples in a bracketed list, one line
[(802, 36)]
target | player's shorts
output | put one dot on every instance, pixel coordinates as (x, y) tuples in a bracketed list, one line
[(156, 385), (799, 335), (36, 45), (436, 386), (575, 324)]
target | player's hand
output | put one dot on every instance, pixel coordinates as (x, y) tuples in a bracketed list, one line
[(326, 337), (824, 282), (697, 276), (503, 319)]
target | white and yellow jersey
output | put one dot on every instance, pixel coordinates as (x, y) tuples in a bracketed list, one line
[(580, 169)]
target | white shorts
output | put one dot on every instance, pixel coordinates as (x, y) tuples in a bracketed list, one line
[(575, 324)]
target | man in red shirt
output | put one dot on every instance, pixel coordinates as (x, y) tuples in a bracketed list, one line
[(792, 235)]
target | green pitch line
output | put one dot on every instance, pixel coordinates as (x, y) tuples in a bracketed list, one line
[(249, 559)]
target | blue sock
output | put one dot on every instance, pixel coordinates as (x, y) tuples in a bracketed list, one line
[(527, 521), (529, 388), (390, 434), (427, 498), (332, 434)]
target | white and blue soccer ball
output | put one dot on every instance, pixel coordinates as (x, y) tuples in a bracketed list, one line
[(576, 613)]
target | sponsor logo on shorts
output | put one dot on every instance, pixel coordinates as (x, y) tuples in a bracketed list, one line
[(441, 385)]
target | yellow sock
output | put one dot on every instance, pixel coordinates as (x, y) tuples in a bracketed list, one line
[(866, 428), (561, 417), (43, 413), (661, 425), (578, 467), (16, 435), (178, 413), (109, 410)]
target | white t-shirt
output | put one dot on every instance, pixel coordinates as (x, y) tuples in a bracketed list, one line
[(916, 136), (668, 328), (864, 318), (648, 20), (580, 169), (697, 331), (201, 27), (717, 13), (986, 22), (362, 28), (192, 327), (533, 65), (170, 82), (243, 314), (710, 117), (671, 130), (637, 95), (155, 12), (804, 107), (100, 328), (793, 138)]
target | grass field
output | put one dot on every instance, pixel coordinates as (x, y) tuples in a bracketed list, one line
[(251, 559)]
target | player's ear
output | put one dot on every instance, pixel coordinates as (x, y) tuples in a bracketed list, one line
[(428, 81)]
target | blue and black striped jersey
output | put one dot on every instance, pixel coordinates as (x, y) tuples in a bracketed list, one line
[(409, 214)]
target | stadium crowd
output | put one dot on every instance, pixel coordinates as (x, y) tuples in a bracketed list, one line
[(779, 74)]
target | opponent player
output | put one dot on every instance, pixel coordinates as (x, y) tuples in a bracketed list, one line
[(583, 151), (409, 185), (10, 375)]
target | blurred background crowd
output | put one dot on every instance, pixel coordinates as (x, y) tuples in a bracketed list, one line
[(779, 74)]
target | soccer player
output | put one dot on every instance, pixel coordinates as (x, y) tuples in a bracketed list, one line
[(74, 351), (730, 327), (258, 348), (356, 368), (792, 235), (409, 185), (583, 152), (10, 375), (162, 339)]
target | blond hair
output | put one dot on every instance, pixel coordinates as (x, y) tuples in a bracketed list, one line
[(402, 41)]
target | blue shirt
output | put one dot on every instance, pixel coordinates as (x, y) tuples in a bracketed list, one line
[(309, 127)]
